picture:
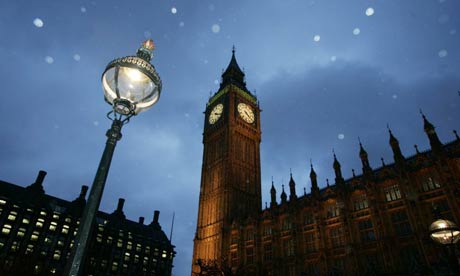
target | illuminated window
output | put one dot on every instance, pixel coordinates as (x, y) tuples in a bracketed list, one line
[(65, 229), (287, 225), (336, 236), (146, 260), (430, 184), (129, 246), (136, 259), (21, 232), (360, 202), (37, 269), (120, 243), (69, 220), (2, 202), (39, 223), (138, 247), (34, 236), (104, 263), (53, 226), (55, 216), (114, 266), (25, 221), (1, 245), (392, 193), (48, 240), (6, 229), (333, 211), (60, 243), (57, 255), (99, 238), (127, 257), (75, 232), (53, 270), (109, 240), (14, 246), (29, 249), (43, 213), (164, 255), (100, 228), (12, 216), (147, 250), (71, 244)]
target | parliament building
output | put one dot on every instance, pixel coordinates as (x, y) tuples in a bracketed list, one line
[(375, 223), (38, 231)]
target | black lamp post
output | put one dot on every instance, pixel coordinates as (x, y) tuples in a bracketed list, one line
[(131, 85), (447, 233)]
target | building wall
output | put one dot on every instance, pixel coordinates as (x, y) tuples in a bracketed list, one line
[(37, 233)]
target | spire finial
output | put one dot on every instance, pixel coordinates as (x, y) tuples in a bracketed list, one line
[(233, 50), (421, 112), (416, 149), (290, 172), (353, 172), (327, 182), (304, 191), (266, 206), (359, 140), (311, 163), (383, 162)]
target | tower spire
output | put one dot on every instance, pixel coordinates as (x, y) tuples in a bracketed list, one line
[(338, 171), (435, 143), (283, 195), (273, 195), (364, 160), (314, 182), (233, 74), (292, 195), (394, 143)]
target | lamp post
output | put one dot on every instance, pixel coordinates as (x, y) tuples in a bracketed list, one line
[(131, 85), (447, 233)]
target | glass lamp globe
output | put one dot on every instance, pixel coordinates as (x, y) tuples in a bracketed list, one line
[(444, 231), (131, 84)]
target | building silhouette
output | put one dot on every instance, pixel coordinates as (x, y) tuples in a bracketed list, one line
[(37, 233), (375, 223)]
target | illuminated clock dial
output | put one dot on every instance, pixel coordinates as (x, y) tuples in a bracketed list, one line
[(216, 113), (246, 112)]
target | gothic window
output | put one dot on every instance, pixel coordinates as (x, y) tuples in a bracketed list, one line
[(289, 247), (234, 239), (336, 236), (366, 230), (401, 223), (442, 207), (392, 193), (332, 211), (287, 224), (267, 230), (360, 202), (310, 243), (234, 258), (308, 218), (267, 251), (429, 184), (250, 255), (249, 235)]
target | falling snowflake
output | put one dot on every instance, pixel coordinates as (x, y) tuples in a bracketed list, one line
[(83, 9), (356, 31), (173, 10), (181, 24), (442, 53), (215, 28), (333, 58), (49, 59), (394, 96), (316, 38), (76, 57), (370, 11), (341, 136), (38, 22)]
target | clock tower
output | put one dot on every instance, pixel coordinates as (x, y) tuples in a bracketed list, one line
[(230, 176)]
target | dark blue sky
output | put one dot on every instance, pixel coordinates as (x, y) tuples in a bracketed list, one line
[(325, 72)]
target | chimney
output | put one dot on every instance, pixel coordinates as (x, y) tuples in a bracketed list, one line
[(156, 214), (83, 191), (40, 177), (121, 202), (141, 220)]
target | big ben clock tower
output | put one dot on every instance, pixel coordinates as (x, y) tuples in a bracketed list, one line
[(230, 174)]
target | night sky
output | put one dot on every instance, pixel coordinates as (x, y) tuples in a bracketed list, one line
[(325, 73)]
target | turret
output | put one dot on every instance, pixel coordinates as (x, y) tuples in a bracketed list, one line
[(233, 74), (273, 196), (364, 160), (435, 143), (283, 196), (338, 171), (314, 182), (397, 154)]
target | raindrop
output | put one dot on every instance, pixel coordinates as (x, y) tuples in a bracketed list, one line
[(49, 59), (38, 22), (83, 9), (173, 10), (356, 31), (370, 11), (442, 53), (333, 58), (76, 57), (341, 136), (215, 28), (316, 38), (394, 96)]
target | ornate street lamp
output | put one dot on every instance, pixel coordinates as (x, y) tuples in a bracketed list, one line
[(131, 85), (447, 233)]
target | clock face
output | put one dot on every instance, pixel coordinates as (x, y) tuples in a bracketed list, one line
[(216, 113), (246, 112)]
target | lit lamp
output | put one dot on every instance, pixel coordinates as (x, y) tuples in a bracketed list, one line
[(447, 233), (131, 85)]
